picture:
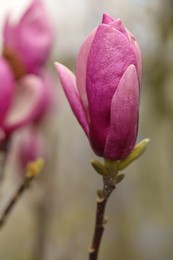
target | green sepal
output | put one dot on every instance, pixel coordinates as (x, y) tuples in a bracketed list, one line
[(119, 178), (111, 167), (100, 194), (100, 168), (136, 153)]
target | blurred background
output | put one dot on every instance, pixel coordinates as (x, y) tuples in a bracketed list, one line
[(55, 218)]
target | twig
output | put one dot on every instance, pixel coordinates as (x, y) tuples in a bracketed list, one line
[(110, 173), (14, 200), (103, 196), (32, 170), (4, 148)]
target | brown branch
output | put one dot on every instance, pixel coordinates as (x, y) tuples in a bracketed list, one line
[(44, 207), (4, 148), (103, 196), (14, 200), (32, 170)]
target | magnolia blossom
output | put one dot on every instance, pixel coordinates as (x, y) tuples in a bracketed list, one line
[(26, 88), (30, 146), (104, 94), (6, 88), (28, 43), (25, 101), (33, 97)]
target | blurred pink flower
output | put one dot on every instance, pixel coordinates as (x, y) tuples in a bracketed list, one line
[(30, 147), (27, 44), (7, 84), (104, 95), (33, 97)]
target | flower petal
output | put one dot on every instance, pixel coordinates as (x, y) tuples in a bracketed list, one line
[(34, 24), (116, 24), (107, 19), (30, 146), (68, 82), (27, 103), (81, 70), (110, 55), (9, 33), (6, 88), (137, 51), (124, 117)]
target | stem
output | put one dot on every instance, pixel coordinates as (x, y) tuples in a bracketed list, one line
[(14, 200), (44, 207), (103, 196), (4, 148)]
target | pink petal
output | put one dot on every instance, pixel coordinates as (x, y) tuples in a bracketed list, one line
[(107, 19), (6, 88), (27, 103), (124, 117), (68, 82), (109, 57), (137, 51), (9, 34), (116, 24), (30, 146), (35, 25), (32, 37), (81, 70)]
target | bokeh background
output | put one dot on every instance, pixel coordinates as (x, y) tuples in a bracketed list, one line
[(55, 218)]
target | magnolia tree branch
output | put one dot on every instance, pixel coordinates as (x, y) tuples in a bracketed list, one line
[(111, 176), (44, 207), (100, 221), (33, 169), (4, 148), (14, 200)]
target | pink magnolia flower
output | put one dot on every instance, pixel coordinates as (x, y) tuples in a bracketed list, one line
[(104, 95), (30, 146), (30, 102), (6, 88), (22, 102), (27, 44)]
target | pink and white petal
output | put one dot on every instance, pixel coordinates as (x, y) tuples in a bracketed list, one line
[(68, 82), (109, 57), (9, 34), (116, 24), (35, 24), (107, 19), (124, 117), (30, 146), (28, 101), (81, 69), (7, 85), (139, 60), (137, 51), (28, 12)]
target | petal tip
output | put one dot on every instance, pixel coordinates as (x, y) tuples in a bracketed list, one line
[(107, 18)]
